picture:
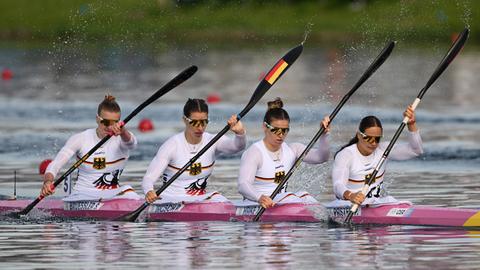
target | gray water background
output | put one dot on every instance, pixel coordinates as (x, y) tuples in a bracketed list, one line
[(54, 94)]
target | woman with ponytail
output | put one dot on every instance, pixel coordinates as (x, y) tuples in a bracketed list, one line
[(264, 163), (179, 149), (356, 160), (98, 176)]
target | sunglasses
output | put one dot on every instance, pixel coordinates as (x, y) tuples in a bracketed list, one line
[(196, 122), (107, 122), (276, 130), (370, 139)]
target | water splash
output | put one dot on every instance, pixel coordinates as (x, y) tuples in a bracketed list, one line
[(467, 12), (319, 212), (308, 30)]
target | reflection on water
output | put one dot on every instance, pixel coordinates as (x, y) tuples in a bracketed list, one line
[(55, 95), (88, 245)]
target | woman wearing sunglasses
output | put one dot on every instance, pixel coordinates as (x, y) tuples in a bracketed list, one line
[(180, 148), (98, 176), (265, 163), (356, 160)]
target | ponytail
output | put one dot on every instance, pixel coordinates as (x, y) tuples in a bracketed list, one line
[(275, 111), (108, 104)]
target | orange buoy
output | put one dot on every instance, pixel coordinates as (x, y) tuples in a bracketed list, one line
[(145, 125), (7, 74), (43, 166), (213, 98)]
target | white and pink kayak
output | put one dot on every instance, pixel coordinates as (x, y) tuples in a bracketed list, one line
[(399, 214), (407, 214), (175, 211)]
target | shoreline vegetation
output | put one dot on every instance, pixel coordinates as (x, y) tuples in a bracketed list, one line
[(167, 23)]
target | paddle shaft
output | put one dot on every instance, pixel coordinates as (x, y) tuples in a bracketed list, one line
[(381, 58), (272, 76), (447, 59), (180, 78)]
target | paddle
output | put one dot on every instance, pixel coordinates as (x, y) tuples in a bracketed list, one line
[(272, 76), (447, 59), (381, 58), (180, 78)]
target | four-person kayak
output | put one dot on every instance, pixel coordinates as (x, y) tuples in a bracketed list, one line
[(390, 214)]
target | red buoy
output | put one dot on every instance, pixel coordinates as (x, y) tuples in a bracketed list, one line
[(43, 166), (213, 98), (454, 36), (7, 74), (145, 125)]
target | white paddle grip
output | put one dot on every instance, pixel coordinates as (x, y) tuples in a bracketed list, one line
[(414, 106)]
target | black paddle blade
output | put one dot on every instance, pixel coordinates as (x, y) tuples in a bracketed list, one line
[(272, 77), (447, 59), (180, 78), (132, 216), (381, 58)]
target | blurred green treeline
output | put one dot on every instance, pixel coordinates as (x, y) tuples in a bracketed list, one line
[(229, 22)]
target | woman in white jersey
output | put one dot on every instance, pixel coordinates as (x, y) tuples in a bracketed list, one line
[(356, 160), (98, 176), (264, 163), (180, 148)]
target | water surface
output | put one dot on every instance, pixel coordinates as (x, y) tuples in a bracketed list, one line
[(53, 96)]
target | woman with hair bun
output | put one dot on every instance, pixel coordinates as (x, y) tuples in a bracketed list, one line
[(264, 163), (355, 161), (179, 149), (98, 176)]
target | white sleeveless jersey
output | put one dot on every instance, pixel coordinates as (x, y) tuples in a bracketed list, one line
[(101, 171), (269, 175), (176, 152)]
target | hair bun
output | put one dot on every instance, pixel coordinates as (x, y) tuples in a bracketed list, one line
[(277, 103), (109, 97)]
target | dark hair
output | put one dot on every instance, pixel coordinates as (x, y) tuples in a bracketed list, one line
[(194, 105), (108, 104), (367, 122), (275, 111)]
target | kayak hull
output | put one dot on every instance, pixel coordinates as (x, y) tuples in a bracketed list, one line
[(179, 211), (406, 214), (391, 214)]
